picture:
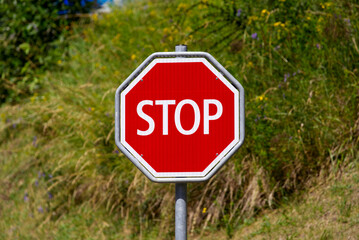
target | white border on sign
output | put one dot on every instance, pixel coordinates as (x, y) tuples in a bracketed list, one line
[(219, 157)]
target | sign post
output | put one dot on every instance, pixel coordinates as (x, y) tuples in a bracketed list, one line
[(181, 195), (179, 117)]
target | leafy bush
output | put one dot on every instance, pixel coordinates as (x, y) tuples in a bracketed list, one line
[(31, 38)]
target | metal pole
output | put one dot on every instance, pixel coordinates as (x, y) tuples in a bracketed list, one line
[(181, 211), (181, 195), (181, 48)]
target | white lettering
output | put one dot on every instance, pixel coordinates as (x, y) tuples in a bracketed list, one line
[(197, 117), (177, 118), (165, 104), (207, 117), (145, 117)]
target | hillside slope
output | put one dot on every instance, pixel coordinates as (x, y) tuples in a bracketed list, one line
[(328, 210)]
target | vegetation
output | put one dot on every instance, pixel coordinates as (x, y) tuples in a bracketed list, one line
[(62, 176), (32, 39), (328, 211)]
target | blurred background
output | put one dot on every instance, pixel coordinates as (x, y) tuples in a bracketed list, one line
[(295, 177)]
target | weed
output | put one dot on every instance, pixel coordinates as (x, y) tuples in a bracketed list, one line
[(326, 235), (345, 208)]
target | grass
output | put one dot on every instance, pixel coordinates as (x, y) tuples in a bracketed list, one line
[(62, 177), (329, 210)]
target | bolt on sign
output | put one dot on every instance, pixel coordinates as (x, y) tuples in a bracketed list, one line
[(179, 116)]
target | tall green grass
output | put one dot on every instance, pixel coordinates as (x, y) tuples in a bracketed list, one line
[(298, 62)]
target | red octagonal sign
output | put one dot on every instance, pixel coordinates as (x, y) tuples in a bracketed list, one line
[(179, 118)]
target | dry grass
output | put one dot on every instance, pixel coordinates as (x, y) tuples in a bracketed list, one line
[(330, 210)]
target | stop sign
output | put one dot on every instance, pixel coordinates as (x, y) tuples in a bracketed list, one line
[(179, 116)]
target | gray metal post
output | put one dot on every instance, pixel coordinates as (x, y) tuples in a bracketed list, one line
[(181, 195), (181, 48), (181, 211)]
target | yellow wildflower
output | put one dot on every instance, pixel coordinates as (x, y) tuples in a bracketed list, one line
[(204, 210), (261, 98), (326, 5), (182, 6), (279, 24), (250, 64), (133, 57), (59, 62), (166, 31), (264, 12)]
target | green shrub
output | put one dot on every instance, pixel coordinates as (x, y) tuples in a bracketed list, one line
[(31, 39)]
